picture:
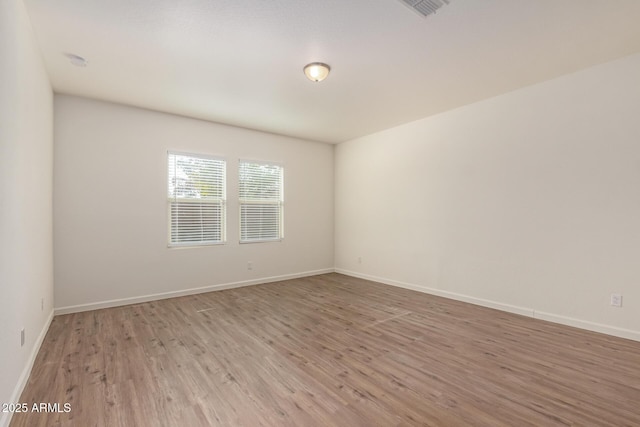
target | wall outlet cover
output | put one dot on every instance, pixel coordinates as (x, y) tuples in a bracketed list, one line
[(616, 300)]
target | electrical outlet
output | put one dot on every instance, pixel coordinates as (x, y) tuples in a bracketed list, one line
[(616, 300), (359, 260), (249, 265), (22, 337), (42, 304)]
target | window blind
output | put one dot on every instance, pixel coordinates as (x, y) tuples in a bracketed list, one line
[(197, 198), (261, 201)]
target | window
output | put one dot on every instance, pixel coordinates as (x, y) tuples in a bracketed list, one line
[(196, 199), (261, 202)]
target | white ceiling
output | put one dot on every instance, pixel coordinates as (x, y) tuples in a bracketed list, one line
[(240, 62)]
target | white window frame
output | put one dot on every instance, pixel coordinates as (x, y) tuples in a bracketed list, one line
[(279, 202), (220, 201)]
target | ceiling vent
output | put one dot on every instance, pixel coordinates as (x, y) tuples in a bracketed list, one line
[(425, 7)]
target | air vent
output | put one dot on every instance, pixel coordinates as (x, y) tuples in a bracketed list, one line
[(425, 7)]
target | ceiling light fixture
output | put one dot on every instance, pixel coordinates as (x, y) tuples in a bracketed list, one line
[(76, 60), (316, 71)]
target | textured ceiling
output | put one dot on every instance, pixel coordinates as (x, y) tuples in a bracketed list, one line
[(240, 62)]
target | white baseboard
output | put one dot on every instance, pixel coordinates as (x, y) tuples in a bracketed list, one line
[(524, 311), (5, 418), (173, 294), (590, 326)]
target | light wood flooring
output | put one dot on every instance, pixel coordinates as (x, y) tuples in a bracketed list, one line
[(328, 350)]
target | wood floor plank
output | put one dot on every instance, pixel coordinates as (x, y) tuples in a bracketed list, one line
[(328, 350)]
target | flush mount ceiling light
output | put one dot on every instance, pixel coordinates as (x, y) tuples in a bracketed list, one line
[(76, 60), (316, 71)]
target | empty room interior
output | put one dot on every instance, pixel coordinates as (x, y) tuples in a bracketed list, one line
[(297, 213)]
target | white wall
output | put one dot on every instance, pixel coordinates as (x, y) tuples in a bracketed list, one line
[(529, 201), (26, 158), (110, 208)]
